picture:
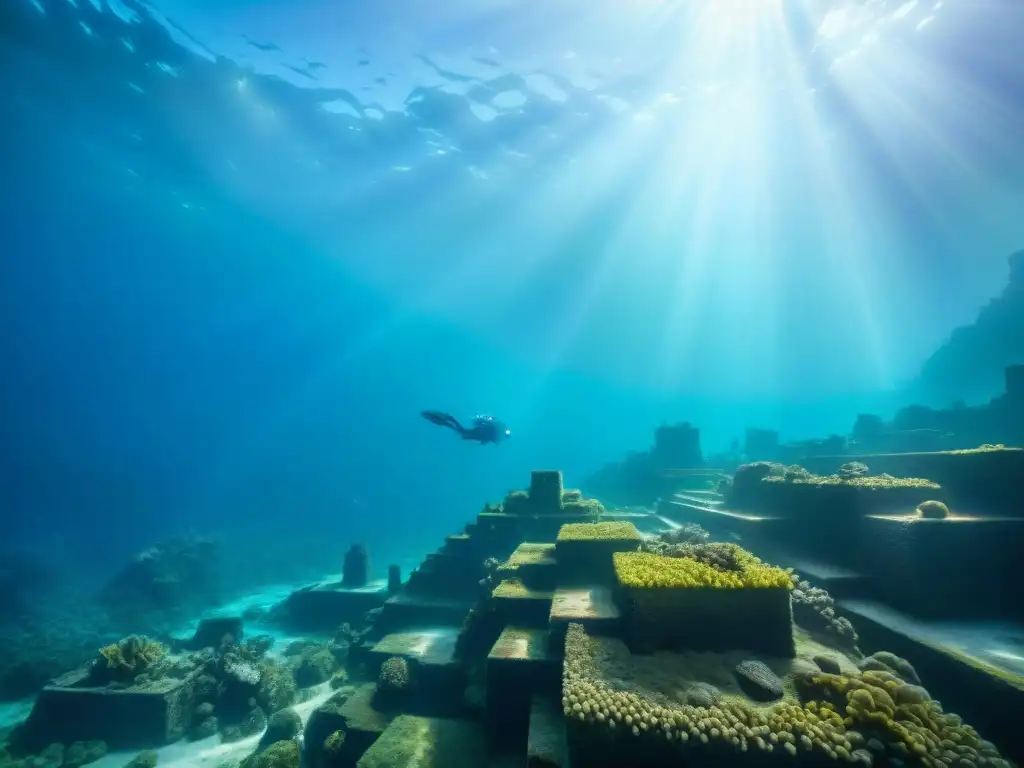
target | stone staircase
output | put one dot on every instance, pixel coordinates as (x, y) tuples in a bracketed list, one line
[(527, 612), (545, 586)]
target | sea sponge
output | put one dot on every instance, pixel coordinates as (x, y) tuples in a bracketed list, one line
[(394, 675), (932, 510)]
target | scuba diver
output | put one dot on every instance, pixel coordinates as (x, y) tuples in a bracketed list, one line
[(485, 429)]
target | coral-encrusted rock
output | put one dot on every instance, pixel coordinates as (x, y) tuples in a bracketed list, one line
[(277, 686), (282, 726), (314, 666), (758, 681), (884, 661), (283, 754)]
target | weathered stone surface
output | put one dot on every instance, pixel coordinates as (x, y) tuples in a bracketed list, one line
[(127, 718)]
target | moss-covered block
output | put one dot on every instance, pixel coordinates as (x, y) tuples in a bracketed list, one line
[(427, 742), (982, 481), (679, 603), (533, 564), (521, 605), (832, 496), (584, 551), (138, 717), (519, 666)]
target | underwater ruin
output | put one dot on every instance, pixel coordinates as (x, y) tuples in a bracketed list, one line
[(553, 631)]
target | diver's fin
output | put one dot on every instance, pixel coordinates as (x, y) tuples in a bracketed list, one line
[(442, 420)]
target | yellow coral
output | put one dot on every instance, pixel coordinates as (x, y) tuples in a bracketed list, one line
[(132, 653), (609, 531), (985, 448), (827, 727), (919, 727), (652, 571)]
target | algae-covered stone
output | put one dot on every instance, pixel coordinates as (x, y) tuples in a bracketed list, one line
[(352, 713), (427, 742), (281, 754), (282, 725), (277, 686), (314, 666)]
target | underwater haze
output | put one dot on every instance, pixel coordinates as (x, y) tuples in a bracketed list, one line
[(246, 243)]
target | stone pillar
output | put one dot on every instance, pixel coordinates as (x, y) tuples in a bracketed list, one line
[(546, 491), (677, 447), (1014, 376), (355, 572), (394, 579), (761, 444), (868, 428)]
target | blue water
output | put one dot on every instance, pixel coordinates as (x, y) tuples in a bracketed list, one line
[(244, 244)]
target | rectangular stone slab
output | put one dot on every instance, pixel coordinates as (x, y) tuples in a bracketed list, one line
[(427, 742), (351, 712), (326, 606), (439, 680), (520, 605), (593, 607), (129, 718)]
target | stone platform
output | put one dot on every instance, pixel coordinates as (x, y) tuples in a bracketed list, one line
[(326, 606), (901, 559), (977, 482), (70, 710)]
